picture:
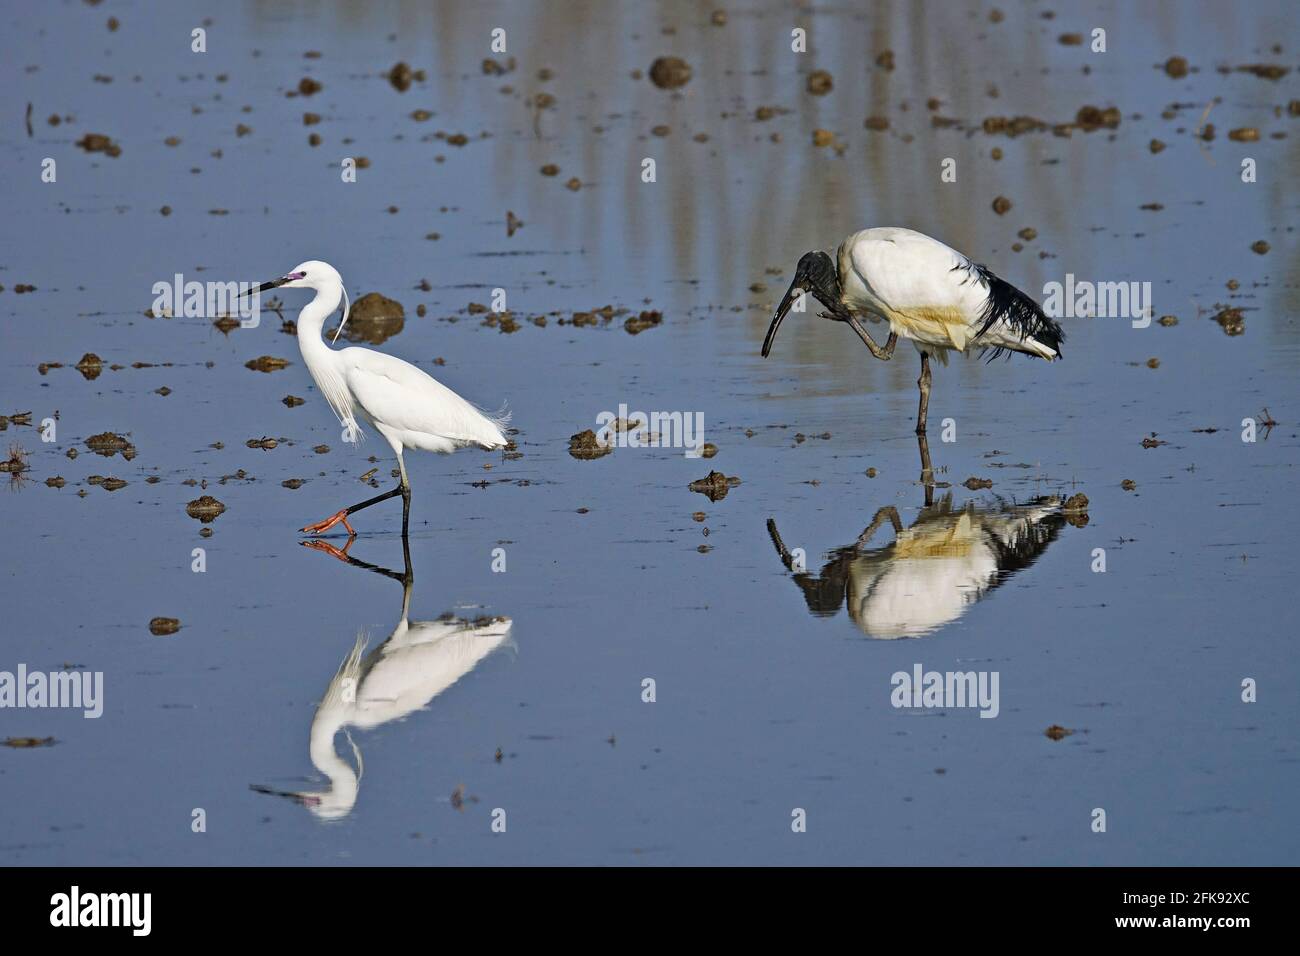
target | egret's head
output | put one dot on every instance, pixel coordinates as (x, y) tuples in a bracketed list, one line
[(312, 274), (815, 274)]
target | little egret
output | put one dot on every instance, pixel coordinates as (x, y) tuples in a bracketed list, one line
[(404, 404), (927, 292)]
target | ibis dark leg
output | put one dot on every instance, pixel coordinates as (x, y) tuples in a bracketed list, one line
[(403, 488), (923, 383), (881, 353), (927, 468)]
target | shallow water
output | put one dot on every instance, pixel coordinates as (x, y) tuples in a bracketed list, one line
[(761, 706)]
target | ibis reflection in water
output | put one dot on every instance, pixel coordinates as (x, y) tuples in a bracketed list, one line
[(417, 662), (926, 292), (933, 571)]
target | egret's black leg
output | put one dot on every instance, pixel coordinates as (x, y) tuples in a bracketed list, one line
[(403, 488), (923, 383)]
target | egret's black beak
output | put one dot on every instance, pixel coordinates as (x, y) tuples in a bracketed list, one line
[(797, 288), (273, 284)]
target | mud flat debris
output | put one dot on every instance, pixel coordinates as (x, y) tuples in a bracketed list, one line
[(1265, 71), (639, 323), (1153, 362), (1230, 320), (23, 743), (99, 143), (109, 444), (822, 137), (16, 463), (266, 444), (1260, 247), (309, 87), (820, 82), (293, 484), (266, 363), (1168, 321), (226, 324), (513, 223), (1244, 134), (670, 72), (293, 401), (205, 509), (1128, 484), (877, 123), (108, 484), (1151, 441), (585, 446), (974, 484), (374, 318), (1001, 205), (55, 482), (1176, 67), (162, 626), (1057, 732), (1075, 510), (90, 366), (715, 485), (321, 449), (1155, 146), (709, 450)]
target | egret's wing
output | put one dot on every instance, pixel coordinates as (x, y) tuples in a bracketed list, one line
[(400, 396)]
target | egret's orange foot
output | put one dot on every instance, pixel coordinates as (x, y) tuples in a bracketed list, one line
[(322, 526), (317, 545)]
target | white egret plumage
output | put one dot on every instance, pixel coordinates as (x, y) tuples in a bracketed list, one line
[(404, 404), (927, 292)]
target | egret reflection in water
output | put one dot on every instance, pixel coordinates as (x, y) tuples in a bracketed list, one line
[(933, 571), (415, 663)]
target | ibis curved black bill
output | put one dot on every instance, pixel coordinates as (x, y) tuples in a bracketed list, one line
[(791, 294)]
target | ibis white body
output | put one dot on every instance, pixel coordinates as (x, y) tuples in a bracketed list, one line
[(929, 293)]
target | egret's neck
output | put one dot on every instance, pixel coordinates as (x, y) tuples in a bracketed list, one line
[(311, 320)]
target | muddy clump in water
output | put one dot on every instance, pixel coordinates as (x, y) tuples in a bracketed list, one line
[(1091, 118), (293, 401), (205, 509), (22, 743), (975, 484), (1231, 321), (90, 366), (820, 82), (162, 626), (1075, 510), (715, 485), (585, 446), (374, 318), (1057, 732), (1176, 67), (639, 323), (266, 363), (109, 444), (99, 143), (670, 72), (226, 324), (16, 463)]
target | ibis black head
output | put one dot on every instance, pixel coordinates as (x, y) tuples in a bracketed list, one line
[(815, 274)]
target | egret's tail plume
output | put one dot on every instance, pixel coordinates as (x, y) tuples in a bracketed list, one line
[(1039, 334), (499, 420)]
